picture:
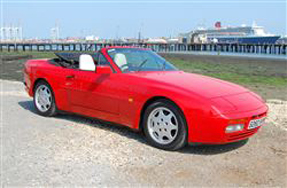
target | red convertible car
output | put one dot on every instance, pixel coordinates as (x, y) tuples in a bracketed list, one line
[(137, 88)]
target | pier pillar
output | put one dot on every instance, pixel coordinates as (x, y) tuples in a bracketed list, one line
[(276, 50), (261, 49)]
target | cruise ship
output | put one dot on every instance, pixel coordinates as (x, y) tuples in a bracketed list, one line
[(241, 34)]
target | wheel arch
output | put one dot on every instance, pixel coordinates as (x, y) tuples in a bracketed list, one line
[(52, 110), (60, 97), (152, 100), (37, 81)]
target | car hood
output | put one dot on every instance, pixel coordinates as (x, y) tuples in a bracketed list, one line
[(237, 103), (201, 85)]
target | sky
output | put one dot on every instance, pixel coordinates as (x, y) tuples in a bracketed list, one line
[(125, 18)]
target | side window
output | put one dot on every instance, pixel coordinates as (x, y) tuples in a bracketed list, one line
[(102, 60)]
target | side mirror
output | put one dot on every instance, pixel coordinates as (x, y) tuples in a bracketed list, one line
[(104, 69), (86, 63)]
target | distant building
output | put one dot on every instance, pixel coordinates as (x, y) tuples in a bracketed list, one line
[(156, 41), (173, 40), (92, 38)]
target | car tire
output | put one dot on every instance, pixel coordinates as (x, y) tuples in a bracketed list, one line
[(164, 125), (44, 99)]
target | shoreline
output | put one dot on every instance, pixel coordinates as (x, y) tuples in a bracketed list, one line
[(247, 56)]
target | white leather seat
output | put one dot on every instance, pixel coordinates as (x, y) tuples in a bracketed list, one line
[(120, 60), (87, 63)]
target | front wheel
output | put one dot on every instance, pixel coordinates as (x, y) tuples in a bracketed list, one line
[(44, 100), (165, 126)]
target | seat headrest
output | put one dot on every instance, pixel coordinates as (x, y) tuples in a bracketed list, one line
[(86, 62), (120, 59)]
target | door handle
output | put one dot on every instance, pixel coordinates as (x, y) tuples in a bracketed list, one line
[(70, 76)]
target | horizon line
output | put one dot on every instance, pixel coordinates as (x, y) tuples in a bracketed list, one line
[(139, 2)]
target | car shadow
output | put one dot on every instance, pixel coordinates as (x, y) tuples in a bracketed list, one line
[(119, 129), (138, 136), (212, 149)]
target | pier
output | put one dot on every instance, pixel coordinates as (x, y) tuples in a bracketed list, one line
[(270, 49)]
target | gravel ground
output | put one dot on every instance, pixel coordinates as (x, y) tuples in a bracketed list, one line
[(72, 150)]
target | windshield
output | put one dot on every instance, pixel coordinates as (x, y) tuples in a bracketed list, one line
[(133, 59)]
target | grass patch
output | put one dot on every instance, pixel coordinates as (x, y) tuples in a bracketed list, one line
[(250, 79), (233, 72), (34, 54)]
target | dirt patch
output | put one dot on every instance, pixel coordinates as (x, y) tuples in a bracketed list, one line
[(11, 67), (15, 57)]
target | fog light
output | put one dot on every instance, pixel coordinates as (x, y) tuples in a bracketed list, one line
[(234, 128)]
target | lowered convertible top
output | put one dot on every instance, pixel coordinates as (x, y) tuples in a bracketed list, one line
[(70, 60), (72, 57)]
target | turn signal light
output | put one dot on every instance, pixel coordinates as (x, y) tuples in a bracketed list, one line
[(236, 121)]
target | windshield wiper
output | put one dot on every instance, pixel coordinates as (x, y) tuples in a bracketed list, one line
[(140, 66)]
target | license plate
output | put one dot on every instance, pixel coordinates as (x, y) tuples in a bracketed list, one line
[(256, 123)]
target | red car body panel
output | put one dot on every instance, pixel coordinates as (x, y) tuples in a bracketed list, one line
[(208, 104)]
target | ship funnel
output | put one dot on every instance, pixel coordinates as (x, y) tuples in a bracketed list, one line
[(218, 25)]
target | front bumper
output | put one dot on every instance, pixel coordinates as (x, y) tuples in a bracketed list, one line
[(211, 130)]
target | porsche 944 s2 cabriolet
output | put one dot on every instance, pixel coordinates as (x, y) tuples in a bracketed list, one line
[(137, 88)]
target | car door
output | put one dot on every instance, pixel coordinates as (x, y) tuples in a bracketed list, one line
[(94, 93), (60, 78)]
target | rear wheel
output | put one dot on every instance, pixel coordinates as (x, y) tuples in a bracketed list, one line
[(164, 125), (44, 100)]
